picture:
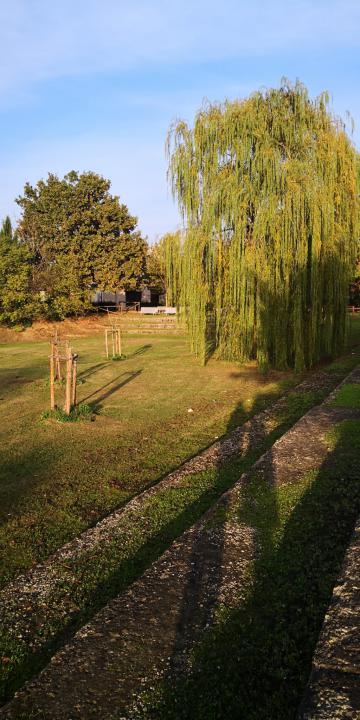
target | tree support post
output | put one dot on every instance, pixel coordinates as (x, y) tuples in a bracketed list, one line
[(52, 377), (74, 376), (67, 406), (113, 333), (115, 341)]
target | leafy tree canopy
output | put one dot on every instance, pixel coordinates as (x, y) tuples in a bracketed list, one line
[(17, 305), (155, 269), (268, 190), (79, 235), (354, 298), (163, 266)]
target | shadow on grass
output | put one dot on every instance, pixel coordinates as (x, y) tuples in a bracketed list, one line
[(110, 388), (141, 350), (13, 379), (255, 665), (117, 580), (118, 576), (19, 476), (85, 374)]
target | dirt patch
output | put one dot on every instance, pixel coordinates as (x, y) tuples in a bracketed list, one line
[(84, 326), (44, 330)]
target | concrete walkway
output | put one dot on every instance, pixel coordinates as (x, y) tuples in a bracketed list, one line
[(333, 692)]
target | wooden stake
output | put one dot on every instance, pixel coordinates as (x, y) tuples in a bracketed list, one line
[(52, 378), (119, 342), (74, 374), (57, 356), (113, 341), (58, 365), (106, 343), (67, 406)]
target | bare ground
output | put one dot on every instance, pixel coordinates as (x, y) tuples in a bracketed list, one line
[(84, 326)]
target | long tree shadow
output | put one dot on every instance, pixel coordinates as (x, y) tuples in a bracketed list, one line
[(206, 563), (254, 665), (200, 597), (141, 350), (110, 388), (119, 575), (85, 374), (214, 684), (118, 579)]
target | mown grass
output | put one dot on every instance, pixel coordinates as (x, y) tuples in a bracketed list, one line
[(57, 479), (86, 583), (255, 665), (348, 396)]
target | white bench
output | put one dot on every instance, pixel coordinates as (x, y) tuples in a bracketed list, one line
[(160, 309)]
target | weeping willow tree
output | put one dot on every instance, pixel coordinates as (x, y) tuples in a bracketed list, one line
[(170, 246), (267, 189)]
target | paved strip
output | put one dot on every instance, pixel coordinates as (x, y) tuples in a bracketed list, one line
[(149, 630), (334, 687)]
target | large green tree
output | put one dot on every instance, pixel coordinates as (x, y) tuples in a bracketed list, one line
[(155, 268), (267, 188), (17, 303), (79, 235), (354, 296), (163, 266)]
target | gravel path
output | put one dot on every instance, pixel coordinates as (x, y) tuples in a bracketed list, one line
[(149, 630), (334, 685)]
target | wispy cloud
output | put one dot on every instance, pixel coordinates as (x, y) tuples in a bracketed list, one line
[(41, 39), (94, 84)]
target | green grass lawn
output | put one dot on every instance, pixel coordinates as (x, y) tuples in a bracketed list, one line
[(56, 479), (348, 396), (255, 664)]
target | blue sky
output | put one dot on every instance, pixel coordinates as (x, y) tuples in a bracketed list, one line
[(95, 84)]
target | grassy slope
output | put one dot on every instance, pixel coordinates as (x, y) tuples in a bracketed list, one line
[(85, 584)]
